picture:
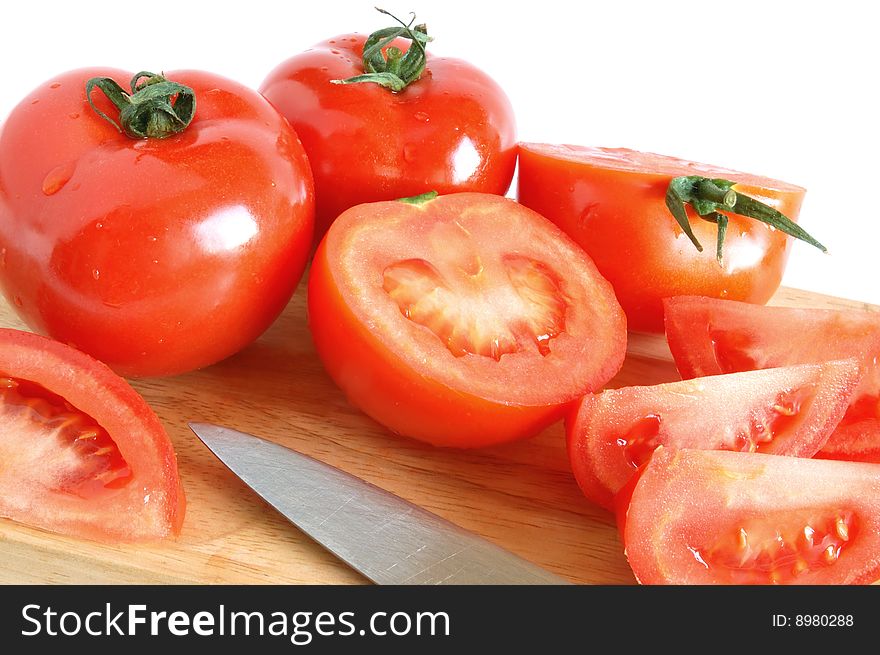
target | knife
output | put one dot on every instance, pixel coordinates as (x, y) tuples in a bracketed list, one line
[(384, 537)]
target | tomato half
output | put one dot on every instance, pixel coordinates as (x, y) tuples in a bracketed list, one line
[(720, 517), (709, 336), (453, 129), (783, 411), (463, 321), (154, 255), (81, 452), (612, 202)]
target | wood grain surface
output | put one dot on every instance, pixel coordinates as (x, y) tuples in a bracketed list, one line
[(522, 496)]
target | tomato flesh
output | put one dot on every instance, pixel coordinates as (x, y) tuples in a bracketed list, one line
[(612, 202), (785, 411), (708, 336), (716, 517), (65, 448), (437, 319), (759, 553)]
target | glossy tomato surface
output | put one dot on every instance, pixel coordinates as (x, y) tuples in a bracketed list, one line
[(783, 411), (451, 130), (465, 321), (716, 517), (82, 453), (156, 256), (612, 202), (709, 336)]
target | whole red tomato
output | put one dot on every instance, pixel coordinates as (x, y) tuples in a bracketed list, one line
[(158, 252), (451, 128), (613, 202)]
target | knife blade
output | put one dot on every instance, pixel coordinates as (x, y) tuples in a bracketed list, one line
[(386, 538)]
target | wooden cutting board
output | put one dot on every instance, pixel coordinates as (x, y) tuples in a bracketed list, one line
[(522, 496)]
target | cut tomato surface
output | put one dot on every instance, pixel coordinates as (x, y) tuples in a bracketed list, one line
[(784, 411), (709, 336), (716, 517), (81, 452), (465, 320)]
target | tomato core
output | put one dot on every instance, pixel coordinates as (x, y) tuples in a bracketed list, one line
[(88, 463), (471, 313), (754, 553)]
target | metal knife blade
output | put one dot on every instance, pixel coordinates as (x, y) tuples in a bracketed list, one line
[(386, 538)]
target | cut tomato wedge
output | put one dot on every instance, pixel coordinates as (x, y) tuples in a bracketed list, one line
[(716, 517), (465, 320), (709, 336), (784, 411), (81, 452)]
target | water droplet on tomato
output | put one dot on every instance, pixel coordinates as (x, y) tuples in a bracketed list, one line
[(324, 69), (73, 114), (33, 102), (331, 41), (152, 238), (724, 293), (96, 273), (409, 152), (588, 214), (18, 302), (98, 226), (55, 85), (57, 178), (155, 261), (335, 52), (421, 116)]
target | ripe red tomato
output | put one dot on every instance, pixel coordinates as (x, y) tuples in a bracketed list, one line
[(452, 129), (81, 452), (612, 202), (154, 255), (708, 336), (463, 321), (782, 411), (716, 517)]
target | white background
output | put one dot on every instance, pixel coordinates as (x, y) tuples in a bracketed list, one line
[(784, 89)]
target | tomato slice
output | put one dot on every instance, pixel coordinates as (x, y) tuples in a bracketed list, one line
[(463, 321), (81, 453), (784, 411), (709, 336), (721, 517)]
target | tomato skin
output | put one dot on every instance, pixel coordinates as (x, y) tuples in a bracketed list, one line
[(612, 202), (452, 130), (796, 409), (687, 502), (155, 256), (403, 390), (708, 336), (152, 504)]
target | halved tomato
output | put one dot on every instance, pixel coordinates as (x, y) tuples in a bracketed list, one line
[(464, 320), (784, 411), (720, 517), (81, 452), (615, 203), (709, 336)]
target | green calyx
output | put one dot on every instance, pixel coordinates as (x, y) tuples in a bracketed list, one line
[(710, 197), (420, 199), (394, 69), (156, 108)]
